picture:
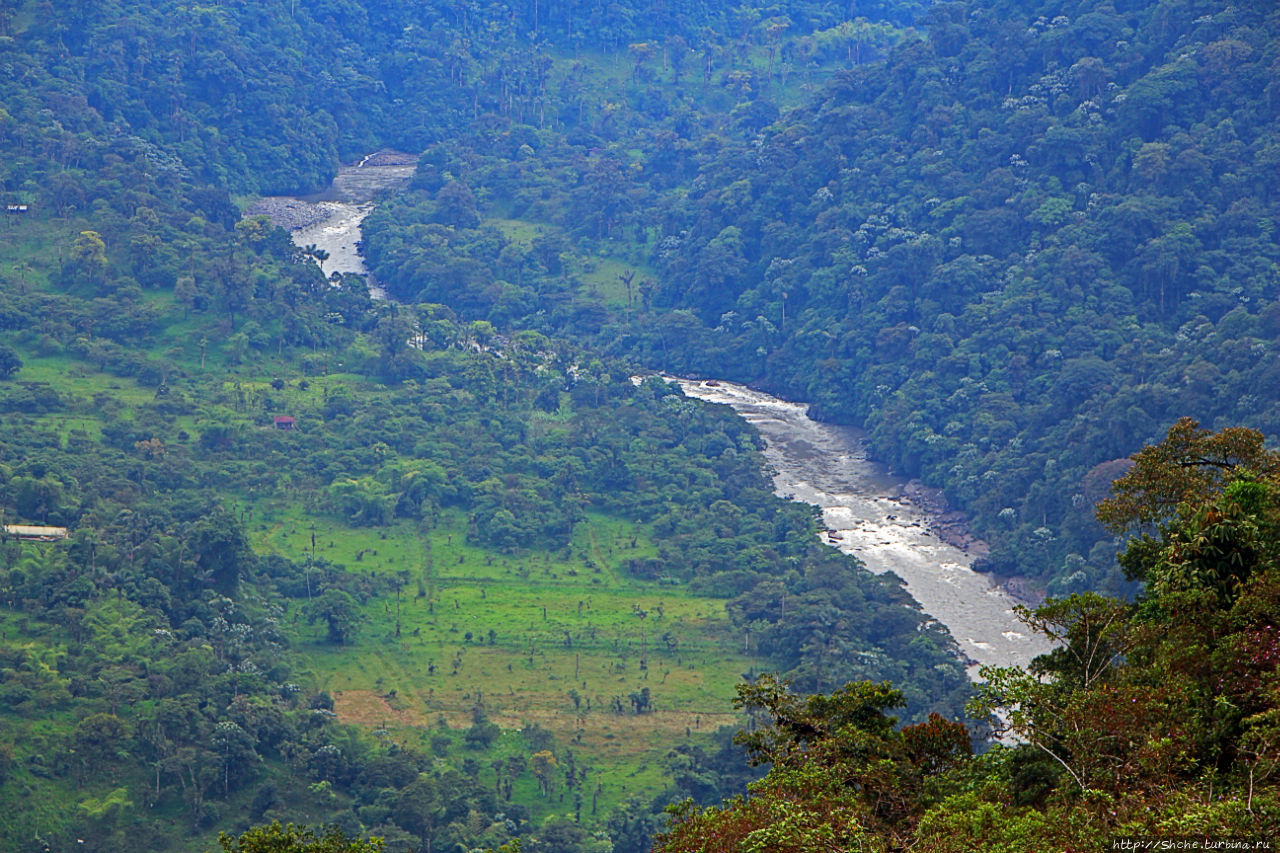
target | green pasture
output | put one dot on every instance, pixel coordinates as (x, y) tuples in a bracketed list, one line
[(603, 274), (558, 639), (599, 273), (520, 231), (70, 375), (32, 247)]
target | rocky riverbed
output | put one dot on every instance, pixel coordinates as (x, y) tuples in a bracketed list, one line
[(330, 220), (292, 214), (948, 524)]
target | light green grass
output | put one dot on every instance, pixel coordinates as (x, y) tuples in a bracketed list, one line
[(562, 623), (69, 374), (602, 275), (32, 246), (519, 231)]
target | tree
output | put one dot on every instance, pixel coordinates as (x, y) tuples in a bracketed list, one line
[(100, 740), (543, 764), (184, 291), (420, 807), (641, 700), (1170, 694), (641, 53), (795, 723), (221, 550), (339, 612), (1189, 466), (89, 256), (235, 748), (9, 362), (295, 839), (456, 206), (481, 734), (841, 778)]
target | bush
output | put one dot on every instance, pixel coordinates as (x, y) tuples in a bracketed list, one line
[(9, 362)]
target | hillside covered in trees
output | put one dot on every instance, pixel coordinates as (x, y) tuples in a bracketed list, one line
[(343, 561), (1157, 719), (1016, 248), (1014, 251), (487, 585)]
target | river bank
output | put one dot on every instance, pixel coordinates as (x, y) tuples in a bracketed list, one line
[(330, 220), (889, 524)]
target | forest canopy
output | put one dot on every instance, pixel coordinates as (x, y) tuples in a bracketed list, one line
[(1015, 241), (1121, 731)]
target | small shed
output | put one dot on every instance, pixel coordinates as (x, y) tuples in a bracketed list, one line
[(36, 533), (284, 422)]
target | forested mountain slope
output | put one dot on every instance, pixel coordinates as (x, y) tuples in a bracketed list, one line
[(1015, 250), (1017, 246), (476, 532), (271, 96), (1153, 722)]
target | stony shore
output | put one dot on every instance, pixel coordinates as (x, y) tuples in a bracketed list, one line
[(952, 526), (291, 214), (949, 525)]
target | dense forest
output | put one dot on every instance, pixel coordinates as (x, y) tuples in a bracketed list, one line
[(1154, 720), (487, 586), (1014, 250), (201, 652)]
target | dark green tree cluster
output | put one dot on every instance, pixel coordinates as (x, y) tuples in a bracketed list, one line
[(1011, 249), (293, 839), (1157, 718), (271, 98)]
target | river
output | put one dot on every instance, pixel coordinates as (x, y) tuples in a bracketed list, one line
[(863, 504), (330, 220), (866, 514)]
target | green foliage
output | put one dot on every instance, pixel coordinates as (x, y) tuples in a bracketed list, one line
[(1123, 729), (10, 363), (1188, 467), (98, 808), (979, 294), (841, 776), (1012, 249), (294, 839), (796, 723), (338, 611), (183, 663)]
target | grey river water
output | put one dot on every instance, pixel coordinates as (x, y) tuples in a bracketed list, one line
[(331, 220), (817, 463), (863, 507)]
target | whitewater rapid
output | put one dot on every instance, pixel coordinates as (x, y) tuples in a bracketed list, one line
[(863, 508)]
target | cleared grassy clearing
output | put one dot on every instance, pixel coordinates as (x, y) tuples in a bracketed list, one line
[(565, 641), (601, 274)]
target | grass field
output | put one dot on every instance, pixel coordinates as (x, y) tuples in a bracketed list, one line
[(561, 640), (601, 274)]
